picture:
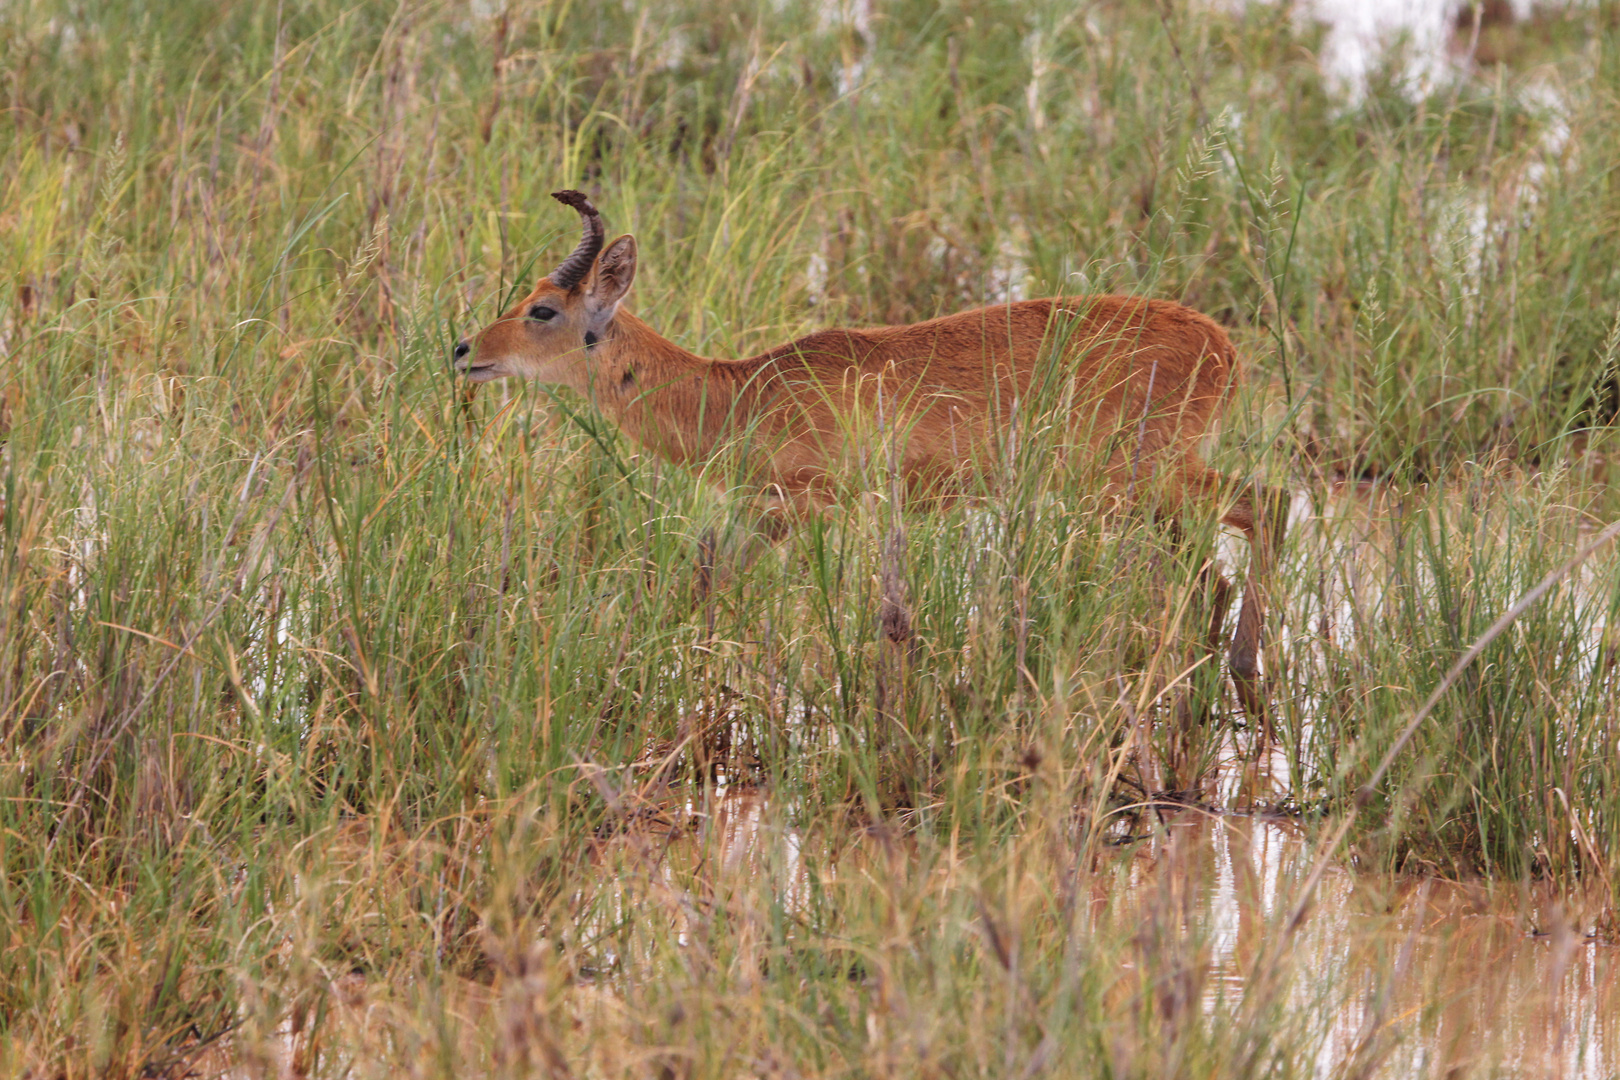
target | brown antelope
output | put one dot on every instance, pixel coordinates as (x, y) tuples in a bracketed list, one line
[(1141, 381)]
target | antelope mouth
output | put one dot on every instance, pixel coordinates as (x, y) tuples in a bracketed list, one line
[(476, 372)]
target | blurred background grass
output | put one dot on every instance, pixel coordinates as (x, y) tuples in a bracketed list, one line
[(313, 665)]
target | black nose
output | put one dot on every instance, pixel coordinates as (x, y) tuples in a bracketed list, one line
[(462, 349)]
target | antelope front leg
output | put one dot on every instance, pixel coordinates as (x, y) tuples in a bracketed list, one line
[(771, 516)]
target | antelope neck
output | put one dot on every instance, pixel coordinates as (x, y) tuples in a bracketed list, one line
[(666, 398)]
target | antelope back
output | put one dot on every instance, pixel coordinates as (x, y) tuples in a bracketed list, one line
[(1114, 385)]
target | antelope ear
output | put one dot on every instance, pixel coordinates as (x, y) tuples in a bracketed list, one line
[(610, 280)]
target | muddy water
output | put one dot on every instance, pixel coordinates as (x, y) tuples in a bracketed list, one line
[(1441, 975), (1408, 978)]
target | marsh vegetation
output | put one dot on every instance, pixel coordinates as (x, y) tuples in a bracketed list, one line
[(353, 722)]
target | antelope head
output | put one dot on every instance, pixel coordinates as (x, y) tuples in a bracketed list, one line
[(552, 333)]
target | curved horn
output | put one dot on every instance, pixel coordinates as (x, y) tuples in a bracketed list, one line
[(576, 266)]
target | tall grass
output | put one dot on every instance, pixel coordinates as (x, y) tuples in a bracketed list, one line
[(316, 667)]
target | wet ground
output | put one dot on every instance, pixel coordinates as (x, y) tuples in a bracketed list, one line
[(1409, 978)]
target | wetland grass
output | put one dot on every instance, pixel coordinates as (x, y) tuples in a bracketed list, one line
[(355, 724)]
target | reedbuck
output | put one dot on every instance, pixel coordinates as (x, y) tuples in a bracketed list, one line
[(1140, 382)]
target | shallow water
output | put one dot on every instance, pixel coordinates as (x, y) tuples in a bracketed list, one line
[(1447, 975), (1416, 977)]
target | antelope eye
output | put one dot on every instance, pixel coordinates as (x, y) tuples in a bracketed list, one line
[(541, 313)]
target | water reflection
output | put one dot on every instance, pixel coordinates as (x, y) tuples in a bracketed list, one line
[(1407, 978), (1433, 977)]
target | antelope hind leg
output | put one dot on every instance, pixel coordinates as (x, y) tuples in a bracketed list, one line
[(1261, 515)]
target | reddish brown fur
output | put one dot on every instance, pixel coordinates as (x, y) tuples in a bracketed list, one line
[(1142, 381)]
